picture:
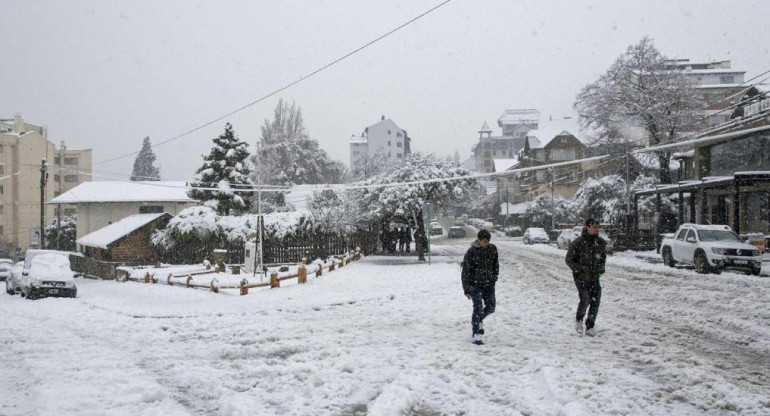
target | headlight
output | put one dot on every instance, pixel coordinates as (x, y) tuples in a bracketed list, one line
[(717, 250), (755, 253)]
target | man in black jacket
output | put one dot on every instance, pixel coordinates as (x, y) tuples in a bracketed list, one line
[(586, 257), (480, 271)]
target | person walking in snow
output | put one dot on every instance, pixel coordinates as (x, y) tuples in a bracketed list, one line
[(480, 269), (407, 237), (401, 239), (586, 257)]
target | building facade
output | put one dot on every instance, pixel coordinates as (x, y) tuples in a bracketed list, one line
[(384, 140), (515, 125), (23, 146)]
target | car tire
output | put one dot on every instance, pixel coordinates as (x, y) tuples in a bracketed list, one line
[(756, 271), (668, 258), (701, 263)]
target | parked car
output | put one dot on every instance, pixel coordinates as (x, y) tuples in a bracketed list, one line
[(535, 236), (710, 248), (456, 232), (567, 236), (513, 231), (436, 229), (13, 282), (5, 268), (48, 274)]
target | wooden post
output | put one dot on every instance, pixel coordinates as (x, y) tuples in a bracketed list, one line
[(331, 266), (244, 287), (189, 279), (213, 287), (157, 264), (147, 277), (274, 282), (302, 274), (153, 279), (168, 279), (320, 271), (342, 262)]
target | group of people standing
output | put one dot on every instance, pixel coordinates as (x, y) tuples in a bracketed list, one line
[(586, 258), (396, 239)]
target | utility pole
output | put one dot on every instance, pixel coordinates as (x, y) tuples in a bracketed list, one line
[(553, 208), (43, 182), (259, 210)]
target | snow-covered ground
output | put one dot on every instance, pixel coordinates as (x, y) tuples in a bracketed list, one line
[(387, 336)]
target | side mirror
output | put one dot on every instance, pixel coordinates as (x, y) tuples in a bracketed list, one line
[(690, 239)]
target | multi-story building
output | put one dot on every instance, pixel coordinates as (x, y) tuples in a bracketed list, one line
[(381, 140), (515, 125), (718, 85), (23, 147)]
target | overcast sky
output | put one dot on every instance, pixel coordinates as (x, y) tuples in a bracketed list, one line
[(105, 74)]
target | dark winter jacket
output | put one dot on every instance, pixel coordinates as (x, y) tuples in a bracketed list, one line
[(480, 266), (586, 256)]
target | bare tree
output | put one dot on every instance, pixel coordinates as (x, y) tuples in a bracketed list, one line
[(639, 90)]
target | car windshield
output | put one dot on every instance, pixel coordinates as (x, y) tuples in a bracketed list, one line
[(718, 235)]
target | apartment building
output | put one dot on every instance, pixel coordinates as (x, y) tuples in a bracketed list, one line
[(383, 139), (23, 147)]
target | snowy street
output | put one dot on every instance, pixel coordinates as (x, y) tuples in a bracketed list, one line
[(387, 336)]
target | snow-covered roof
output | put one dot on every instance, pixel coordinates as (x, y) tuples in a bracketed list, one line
[(554, 128), (117, 191), (470, 163), (708, 86), (357, 139), (485, 128), (105, 236), (501, 165), (514, 209), (685, 154), (520, 116), (713, 71)]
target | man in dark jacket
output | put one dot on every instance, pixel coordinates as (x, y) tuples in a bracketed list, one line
[(586, 257), (480, 271)]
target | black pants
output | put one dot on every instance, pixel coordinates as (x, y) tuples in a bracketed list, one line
[(483, 304), (590, 292)]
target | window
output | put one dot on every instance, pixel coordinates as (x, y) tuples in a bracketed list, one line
[(150, 209), (690, 234), (70, 178), (70, 212), (562, 154), (399, 155), (681, 235), (2, 169), (56, 178), (388, 131), (726, 79), (2, 189), (399, 144), (1, 209), (494, 153), (57, 160), (70, 161), (1, 148), (390, 156), (398, 134), (2, 231), (388, 142)]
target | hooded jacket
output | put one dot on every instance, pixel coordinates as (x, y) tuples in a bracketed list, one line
[(586, 256), (480, 266)]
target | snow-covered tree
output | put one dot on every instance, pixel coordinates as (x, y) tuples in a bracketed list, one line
[(405, 202), (544, 211), (368, 166), (602, 199), (639, 90), (144, 164), (61, 235), (219, 183)]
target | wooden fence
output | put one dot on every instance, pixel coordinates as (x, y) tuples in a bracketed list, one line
[(302, 273)]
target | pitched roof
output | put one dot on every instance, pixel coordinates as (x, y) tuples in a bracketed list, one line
[(554, 128), (117, 191), (519, 116), (105, 236), (485, 128), (501, 165)]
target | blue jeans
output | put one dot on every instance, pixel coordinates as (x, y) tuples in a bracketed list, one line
[(483, 304)]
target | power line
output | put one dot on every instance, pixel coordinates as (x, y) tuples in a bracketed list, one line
[(285, 87)]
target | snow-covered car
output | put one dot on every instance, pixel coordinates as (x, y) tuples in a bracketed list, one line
[(436, 229), (535, 236), (456, 232), (13, 282), (513, 231), (710, 248), (48, 274), (567, 236), (5, 268)]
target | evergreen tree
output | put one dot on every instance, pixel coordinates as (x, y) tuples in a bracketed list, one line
[(224, 169), (144, 164), (61, 236)]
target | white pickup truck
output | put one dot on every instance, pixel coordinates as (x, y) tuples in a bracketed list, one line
[(710, 248)]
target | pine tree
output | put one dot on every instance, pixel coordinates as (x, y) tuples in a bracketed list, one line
[(224, 169), (144, 164)]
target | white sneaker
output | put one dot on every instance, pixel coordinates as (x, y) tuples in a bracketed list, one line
[(591, 332), (579, 327), (477, 339)]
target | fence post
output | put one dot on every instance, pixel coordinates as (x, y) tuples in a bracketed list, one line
[(274, 282), (213, 287), (147, 277), (342, 261), (168, 279), (189, 279), (302, 274), (331, 266), (153, 279), (320, 271), (244, 287)]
